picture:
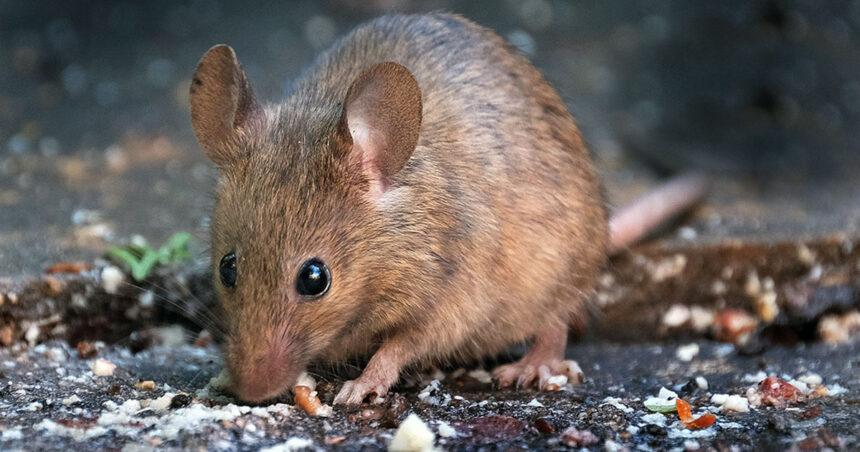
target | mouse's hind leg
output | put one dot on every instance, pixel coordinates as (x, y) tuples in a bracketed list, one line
[(544, 358)]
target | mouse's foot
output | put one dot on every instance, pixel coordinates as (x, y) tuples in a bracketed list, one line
[(380, 374), (544, 359), (354, 392), (525, 374)]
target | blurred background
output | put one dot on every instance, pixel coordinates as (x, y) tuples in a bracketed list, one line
[(96, 144)]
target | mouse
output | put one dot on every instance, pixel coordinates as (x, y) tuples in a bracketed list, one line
[(420, 196)]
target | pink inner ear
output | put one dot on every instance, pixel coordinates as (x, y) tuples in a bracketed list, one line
[(382, 116), (368, 146)]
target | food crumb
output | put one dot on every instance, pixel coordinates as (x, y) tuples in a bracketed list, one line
[(412, 435), (146, 385), (687, 352), (446, 431), (292, 444), (676, 316), (307, 399), (112, 277), (162, 403), (102, 367), (71, 400), (731, 402), (779, 393), (578, 438), (481, 375), (839, 329)]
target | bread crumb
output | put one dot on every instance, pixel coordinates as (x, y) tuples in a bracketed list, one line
[(413, 435), (732, 402), (146, 385), (676, 316), (687, 352), (73, 399), (102, 367), (292, 444), (446, 431), (112, 277), (306, 380)]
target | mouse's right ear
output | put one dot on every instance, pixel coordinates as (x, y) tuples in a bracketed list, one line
[(380, 122), (223, 108)]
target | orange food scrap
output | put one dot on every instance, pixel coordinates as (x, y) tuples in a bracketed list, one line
[(686, 415), (309, 403), (68, 267)]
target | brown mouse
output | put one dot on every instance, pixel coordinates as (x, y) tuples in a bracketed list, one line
[(421, 195)]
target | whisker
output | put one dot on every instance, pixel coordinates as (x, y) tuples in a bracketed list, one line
[(204, 319)]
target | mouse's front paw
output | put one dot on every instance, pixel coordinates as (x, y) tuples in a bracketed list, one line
[(356, 391)]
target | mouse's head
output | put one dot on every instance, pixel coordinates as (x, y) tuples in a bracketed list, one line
[(298, 239)]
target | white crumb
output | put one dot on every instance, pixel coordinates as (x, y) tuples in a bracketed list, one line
[(306, 380), (446, 431), (292, 444), (481, 375), (102, 367), (687, 352), (413, 435), (112, 277), (731, 402)]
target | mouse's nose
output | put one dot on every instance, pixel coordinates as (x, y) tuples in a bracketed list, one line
[(260, 373)]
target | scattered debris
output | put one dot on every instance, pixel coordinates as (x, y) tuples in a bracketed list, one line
[(686, 415), (308, 400), (732, 402), (578, 438), (732, 325), (412, 436), (87, 350), (839, 329), (103, 368), (665, 402), (445, 430), (687, 352), (778, 392), (68, 267), (291, 445), (145, 385)]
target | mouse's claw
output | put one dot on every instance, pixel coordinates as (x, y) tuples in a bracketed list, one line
[(354, 392)]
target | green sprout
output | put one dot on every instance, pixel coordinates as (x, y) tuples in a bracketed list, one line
[(141, 259)]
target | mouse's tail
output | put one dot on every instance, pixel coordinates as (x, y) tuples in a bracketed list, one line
[(634, 221)]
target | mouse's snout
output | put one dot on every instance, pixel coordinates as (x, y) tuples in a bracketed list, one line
[(263, 369)]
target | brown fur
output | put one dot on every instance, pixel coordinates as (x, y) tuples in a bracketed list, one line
[(492, 230)]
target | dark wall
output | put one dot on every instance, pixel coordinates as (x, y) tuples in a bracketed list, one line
[(769, 88)]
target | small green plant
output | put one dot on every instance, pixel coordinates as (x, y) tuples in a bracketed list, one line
[(140, 258)]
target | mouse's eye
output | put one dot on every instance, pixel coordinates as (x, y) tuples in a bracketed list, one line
[(314, 278), (227, 269)]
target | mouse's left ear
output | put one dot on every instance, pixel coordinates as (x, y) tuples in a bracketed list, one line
[(380, 122), (223, 108)]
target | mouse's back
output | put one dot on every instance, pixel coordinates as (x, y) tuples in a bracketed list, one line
[(499, 193)]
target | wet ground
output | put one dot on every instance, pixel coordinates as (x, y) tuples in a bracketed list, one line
[(764, 277)]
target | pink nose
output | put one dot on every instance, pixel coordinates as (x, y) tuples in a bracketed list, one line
[(256, 386), (259, 376)]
